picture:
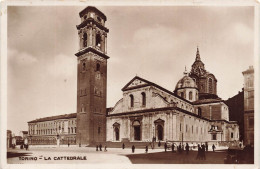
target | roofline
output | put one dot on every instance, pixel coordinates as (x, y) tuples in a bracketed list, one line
[(63, 116), (92, 8), (151, 84), (90, 49)]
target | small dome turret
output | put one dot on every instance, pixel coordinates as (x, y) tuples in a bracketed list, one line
[(187, 88)]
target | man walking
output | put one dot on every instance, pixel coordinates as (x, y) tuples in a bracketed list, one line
[(173, 147), (123, 146), (213, 148), (187, 147), (146, 149), (100, 147), (165, 146)]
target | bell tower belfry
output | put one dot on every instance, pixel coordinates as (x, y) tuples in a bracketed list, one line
[(92, 77)]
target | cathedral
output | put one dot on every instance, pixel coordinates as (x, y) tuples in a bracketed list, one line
[(192, 112)]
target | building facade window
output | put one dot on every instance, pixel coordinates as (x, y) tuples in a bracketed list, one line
[(97, 67), (251, 122), (131, 101), (182, 94), (143, 99), (214, 136), (190, 95), (98, 40), (99, 130), (231, 135), (85, 40), (210, 85)]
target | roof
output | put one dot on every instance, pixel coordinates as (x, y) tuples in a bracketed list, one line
[(92, 8), (64, 116), (125, 88), (206, 101), (185, 82)]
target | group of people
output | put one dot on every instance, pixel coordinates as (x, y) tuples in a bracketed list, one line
[(100, 147)]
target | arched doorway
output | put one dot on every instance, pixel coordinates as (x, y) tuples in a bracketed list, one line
[(137, 130), (160, 132), (117, 133)]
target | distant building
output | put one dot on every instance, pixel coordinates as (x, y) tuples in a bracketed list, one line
[(236, 111), (49, 130), (249, 106)]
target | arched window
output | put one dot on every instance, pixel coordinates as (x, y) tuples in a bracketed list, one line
[(71, 129), (83, 66), (131, 100), (85, 40), (143, 99), (98, 40), (182, 94), (190, 95), (210, 85), (98, 67), (75, 129), (68, 130)]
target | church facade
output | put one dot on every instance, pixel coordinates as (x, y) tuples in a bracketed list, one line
[(188, 114), (192, 112)]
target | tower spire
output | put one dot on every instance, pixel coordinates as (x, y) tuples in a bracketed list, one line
[(185, 72), (198, 54)]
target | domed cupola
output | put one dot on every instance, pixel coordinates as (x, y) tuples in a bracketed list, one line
[(187, 88)]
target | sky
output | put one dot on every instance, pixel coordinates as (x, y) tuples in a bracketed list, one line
[(155, 43)]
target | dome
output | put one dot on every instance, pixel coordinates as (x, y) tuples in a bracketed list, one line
[(186, 82)]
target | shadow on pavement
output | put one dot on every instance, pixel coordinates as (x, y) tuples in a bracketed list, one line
[(16, 154), (176, 158)]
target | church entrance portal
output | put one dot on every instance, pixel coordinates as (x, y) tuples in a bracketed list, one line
[(137, 133), (117, 133), (160, 132), (137, 130)]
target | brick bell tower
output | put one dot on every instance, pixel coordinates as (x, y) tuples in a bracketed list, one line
[(92, 77)]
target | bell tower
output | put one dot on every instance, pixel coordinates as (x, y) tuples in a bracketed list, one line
[(92, 77)]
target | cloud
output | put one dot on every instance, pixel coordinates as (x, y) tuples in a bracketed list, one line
[(62, 66), (21, 58)]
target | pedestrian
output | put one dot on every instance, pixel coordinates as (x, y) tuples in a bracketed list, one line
[(159, 144), (133, 149), (68, 144), (123, 146), (100, 147), (213, 148), (203, 155), (207, 146), (96, 147), (172, 147), (105, 150), (187, 147), (165, 146), (179, 148), (146, 149), (199, 153)]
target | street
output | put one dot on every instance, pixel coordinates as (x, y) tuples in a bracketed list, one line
[(79, 155)]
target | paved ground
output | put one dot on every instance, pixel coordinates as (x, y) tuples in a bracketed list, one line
[(113, 155)]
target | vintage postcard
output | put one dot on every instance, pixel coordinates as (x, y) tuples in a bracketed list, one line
[(93, 84)]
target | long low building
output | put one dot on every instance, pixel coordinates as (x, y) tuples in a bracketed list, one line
[(49, 130)]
